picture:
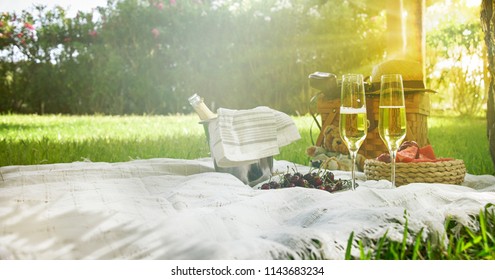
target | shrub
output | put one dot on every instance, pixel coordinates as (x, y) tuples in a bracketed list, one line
[(455, 58), (134, 57)]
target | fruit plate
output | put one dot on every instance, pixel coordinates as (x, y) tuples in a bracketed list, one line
[(314, 179)]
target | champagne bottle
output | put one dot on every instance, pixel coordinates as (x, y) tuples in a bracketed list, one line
[(199, 106)]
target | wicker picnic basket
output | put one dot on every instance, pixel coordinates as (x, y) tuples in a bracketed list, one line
[(417, 99), (446, 172), (417, 112)]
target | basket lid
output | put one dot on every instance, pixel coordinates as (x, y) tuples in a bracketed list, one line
[(411, 71)]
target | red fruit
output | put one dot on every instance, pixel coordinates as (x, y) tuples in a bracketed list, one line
[(328, 177), (302, 182), (408, 144), (294, 179), (329, 188), (432, 160), (299, 174), (408, 154), (385, 157), (427, 152), (318, 182)]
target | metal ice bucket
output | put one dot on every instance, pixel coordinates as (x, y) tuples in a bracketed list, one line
[(250, 174)]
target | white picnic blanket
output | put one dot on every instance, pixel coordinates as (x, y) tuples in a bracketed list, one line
[(240, 137), (180, 209)]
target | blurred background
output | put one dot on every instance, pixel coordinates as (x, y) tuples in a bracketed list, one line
[(148, 56)]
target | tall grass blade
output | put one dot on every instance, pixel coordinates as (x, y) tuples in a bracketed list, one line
[(404, 237), (349, 246), (417, 244), (482, 219), (379, 246)]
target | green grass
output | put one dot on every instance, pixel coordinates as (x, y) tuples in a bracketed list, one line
[(462, 138), (51, 139), (29, 139), (463, 243)]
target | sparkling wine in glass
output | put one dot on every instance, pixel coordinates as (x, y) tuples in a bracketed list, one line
[(353, 122), (392, 116)]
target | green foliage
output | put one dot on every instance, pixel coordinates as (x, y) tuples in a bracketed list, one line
[(148, 56), (136, 56), (463, 242), (455, 55), (42, 63)]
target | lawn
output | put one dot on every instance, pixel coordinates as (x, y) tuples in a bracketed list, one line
[(50, 139), (29, 139)]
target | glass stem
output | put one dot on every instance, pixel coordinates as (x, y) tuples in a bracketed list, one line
[(393, 155), (353, 167)]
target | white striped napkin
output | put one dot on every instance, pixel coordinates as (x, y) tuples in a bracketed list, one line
[(240, 137)]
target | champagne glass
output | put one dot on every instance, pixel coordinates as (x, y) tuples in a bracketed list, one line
[(353, 122), (392, 116)]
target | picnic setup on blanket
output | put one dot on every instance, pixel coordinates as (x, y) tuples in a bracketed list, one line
[(372, 172)]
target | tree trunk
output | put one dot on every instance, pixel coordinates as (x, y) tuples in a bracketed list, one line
[(488, 26), (405, 32), (395, 33), (415, 34)]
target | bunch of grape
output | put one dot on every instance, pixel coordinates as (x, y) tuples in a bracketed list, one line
[(321, 179)]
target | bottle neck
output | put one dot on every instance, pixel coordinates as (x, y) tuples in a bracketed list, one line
[(200, 107)]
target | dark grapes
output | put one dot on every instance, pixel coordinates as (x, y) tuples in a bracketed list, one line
[(321, 179)]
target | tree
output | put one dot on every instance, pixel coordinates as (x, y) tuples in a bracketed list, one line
[(488, 26), (455, 51)]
